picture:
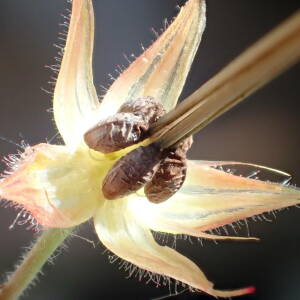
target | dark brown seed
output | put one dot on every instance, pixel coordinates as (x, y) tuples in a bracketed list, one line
[(149, 108), (168, 179), (117, 132), (131, 172), (170, 175), (129, 126)]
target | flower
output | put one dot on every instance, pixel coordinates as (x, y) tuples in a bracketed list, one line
[(61, 185)]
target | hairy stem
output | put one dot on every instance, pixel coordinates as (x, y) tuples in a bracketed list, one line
[(266, 59), (32, 262)]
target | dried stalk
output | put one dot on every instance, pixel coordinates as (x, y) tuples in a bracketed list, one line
[(258, 65)]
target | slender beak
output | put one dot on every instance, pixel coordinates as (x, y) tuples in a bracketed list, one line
[(259, 64)]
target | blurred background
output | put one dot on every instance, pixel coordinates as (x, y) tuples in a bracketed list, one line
[(264, 129)]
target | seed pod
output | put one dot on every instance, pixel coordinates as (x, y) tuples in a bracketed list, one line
[(117, 132), (170, 175), (129, 126), (131, 172), (147, 107)]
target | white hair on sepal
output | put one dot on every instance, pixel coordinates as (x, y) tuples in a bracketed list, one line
[(148, 277), (60, 45)]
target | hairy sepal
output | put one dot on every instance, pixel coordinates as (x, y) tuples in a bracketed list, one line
[(211, 198), (59, 188), (119, 230), (162, 69), (75, 102)]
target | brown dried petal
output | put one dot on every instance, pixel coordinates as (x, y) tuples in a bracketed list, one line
[(149, 108), (117, 132), (131, 172)]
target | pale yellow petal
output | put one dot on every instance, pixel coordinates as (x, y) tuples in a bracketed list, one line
[(120, 232), (162, 69), (211, 198), (75, 99), (58, 188)]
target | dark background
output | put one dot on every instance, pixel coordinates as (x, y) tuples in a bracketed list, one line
[(263, 129)]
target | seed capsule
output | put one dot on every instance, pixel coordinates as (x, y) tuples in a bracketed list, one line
[(170, 175), (131, 172), (161, 172), (129, 126)]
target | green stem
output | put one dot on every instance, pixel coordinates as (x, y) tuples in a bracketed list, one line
[(32, 263)]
